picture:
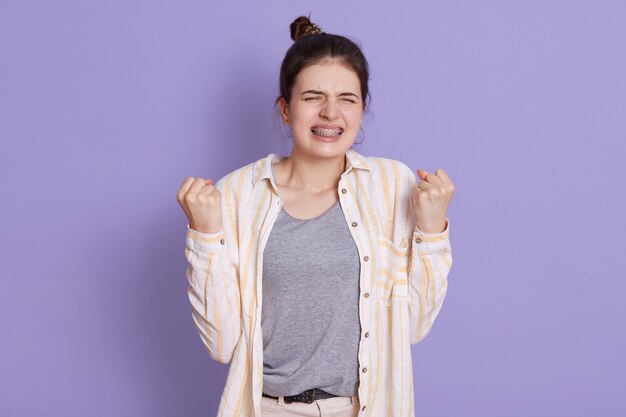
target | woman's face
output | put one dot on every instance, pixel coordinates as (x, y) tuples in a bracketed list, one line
[(324, 96)]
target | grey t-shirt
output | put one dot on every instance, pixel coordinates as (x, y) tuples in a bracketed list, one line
[(310, 313)]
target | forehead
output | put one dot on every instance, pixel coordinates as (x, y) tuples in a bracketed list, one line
[(330, 76)]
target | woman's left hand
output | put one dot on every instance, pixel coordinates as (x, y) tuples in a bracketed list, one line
[(431, 197)]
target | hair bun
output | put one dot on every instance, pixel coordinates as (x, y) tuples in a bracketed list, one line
[(302, 26)]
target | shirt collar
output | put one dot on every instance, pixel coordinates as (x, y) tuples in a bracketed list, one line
[(264, 168)]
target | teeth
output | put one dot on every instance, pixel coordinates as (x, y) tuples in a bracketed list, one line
[(326, 132)]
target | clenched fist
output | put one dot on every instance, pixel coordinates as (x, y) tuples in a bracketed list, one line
[(201, 201), (431, 197)]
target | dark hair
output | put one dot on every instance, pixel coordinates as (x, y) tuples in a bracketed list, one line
[(311, 46)]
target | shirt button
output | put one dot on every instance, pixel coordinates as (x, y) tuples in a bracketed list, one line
[(363, 409), (366, 258), (343, 190), (222, 241), (364, 370), (367, 334), (354, 224), (418, 240), (366, 295)]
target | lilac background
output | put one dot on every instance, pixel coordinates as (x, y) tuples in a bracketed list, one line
[(105, 108)]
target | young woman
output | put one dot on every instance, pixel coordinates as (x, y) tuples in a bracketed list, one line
[(313, 274)]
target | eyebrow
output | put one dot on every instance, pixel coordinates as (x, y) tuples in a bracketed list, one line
[(320, 92)]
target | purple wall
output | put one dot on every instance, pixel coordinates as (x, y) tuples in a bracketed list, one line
[(105, 108)]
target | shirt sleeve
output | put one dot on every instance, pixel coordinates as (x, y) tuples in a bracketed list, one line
[(213, 291), (430, 262)]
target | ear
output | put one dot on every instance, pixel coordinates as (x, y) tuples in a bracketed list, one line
[(284, 110)]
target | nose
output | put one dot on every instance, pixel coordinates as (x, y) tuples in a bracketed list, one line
[(330, 109)]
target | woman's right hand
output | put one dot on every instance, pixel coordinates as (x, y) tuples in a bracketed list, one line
[(201, 202)]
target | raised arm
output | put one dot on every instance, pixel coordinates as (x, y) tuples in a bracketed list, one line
[(430, 257), (212, 271)]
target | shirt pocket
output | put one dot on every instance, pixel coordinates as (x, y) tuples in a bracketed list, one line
[(392, 270)]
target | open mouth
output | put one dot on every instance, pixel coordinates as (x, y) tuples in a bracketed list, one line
[(329, 133)]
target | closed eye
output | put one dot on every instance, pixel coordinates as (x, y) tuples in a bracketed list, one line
[(315, 98)]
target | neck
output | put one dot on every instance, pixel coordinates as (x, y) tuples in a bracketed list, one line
[(310, 173)]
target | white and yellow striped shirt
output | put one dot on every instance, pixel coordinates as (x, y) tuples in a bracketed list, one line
[(403, 280)]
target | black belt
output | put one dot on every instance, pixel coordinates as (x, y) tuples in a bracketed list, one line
[(307, 396)]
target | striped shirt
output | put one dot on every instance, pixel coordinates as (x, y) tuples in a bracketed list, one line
[(403, 280)]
